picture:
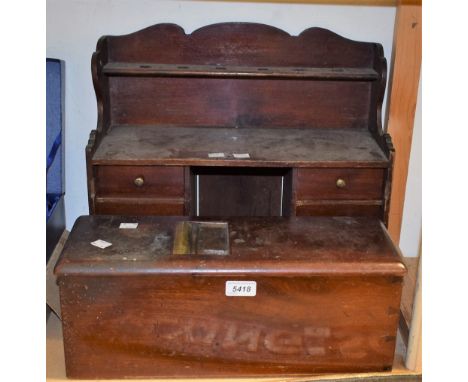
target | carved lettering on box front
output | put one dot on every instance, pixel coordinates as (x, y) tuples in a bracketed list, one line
[(193, 336)]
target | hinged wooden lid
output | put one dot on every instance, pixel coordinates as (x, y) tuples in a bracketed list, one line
[(274, 246)]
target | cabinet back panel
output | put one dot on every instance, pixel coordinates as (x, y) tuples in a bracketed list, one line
[(240, 191), (239, 102)]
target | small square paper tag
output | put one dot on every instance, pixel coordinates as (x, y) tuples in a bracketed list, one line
[(241, 156), (101, 244), (216, 155), (128, 225)]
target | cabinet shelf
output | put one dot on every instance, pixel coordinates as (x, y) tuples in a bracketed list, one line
[(280, 147), (228, 71)]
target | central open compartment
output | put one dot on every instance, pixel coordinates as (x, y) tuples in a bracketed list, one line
[(241, 191)]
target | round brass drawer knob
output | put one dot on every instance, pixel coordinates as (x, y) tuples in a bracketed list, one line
[(340, 183), (139, 181)]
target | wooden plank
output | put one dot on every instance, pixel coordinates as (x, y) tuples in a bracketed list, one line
[(403, 98), (240, 102), (169, 145), (379, 3), (229, 71)]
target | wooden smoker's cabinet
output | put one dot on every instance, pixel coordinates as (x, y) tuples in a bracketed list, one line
[(244, 124), (178, 113)]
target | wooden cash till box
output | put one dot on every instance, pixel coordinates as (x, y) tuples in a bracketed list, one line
[(314, 294), (247, 122)]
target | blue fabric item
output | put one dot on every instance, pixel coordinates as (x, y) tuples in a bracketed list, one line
[(53, 151), (54, 123), (51, 203)]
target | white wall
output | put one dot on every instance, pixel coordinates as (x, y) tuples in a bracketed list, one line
[(74, 26), (412, 211)]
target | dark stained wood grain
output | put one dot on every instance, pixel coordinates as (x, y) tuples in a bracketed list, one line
[(240, 44), (187, 333), (156, 145), (328, 293), (239, 102)]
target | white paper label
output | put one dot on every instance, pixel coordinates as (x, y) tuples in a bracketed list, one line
[(101, 244), (241, 288), (128, 225), (241, 156), (216, 155)]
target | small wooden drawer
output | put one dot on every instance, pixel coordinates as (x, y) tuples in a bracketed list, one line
[(339, 183), (139, 206), (141, 181), (372, 208)]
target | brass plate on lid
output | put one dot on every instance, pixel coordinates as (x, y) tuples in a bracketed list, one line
[(201, 238)]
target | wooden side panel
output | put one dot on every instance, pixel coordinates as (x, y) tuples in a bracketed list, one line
[(403, 98), (239, 102), (185, 326), (90, 180)]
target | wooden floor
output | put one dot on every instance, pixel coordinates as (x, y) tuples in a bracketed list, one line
[(56, 362)]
